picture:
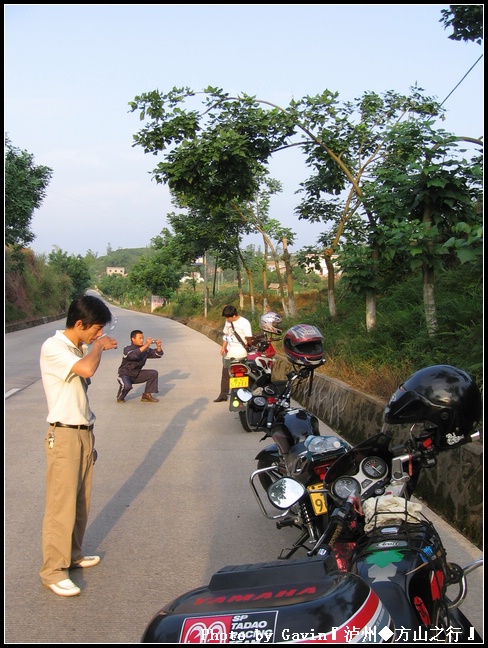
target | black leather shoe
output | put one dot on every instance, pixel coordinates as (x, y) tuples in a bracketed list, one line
[(220, 399)]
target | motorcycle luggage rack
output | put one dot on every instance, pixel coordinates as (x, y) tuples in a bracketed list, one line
[(419, 537)]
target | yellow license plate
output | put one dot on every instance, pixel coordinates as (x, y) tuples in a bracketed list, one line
[(235, 383), (317, 499)]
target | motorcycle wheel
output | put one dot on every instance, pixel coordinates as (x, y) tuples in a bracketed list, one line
[(268, 478), (243, 420)]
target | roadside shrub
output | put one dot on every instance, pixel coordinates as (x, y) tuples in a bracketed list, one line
[(186, 302)]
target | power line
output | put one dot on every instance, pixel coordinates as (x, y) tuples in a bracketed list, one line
[(462, 79)]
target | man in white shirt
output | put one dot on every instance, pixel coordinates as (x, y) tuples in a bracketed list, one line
[(67, 365), (237, 334)]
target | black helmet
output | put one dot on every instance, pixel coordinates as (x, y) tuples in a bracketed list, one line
[(269, 321), (443, 396), (303, 345)]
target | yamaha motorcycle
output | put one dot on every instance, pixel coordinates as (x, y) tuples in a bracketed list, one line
[(378, 574)]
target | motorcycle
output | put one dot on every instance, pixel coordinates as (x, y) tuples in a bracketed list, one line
[(298, 451), (377, 533), (252, 373), (378, 574), (263, 403)]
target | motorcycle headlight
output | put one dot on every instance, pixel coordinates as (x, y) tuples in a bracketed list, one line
[(322, 444)]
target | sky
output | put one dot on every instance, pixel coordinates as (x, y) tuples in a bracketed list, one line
[(70, 72)]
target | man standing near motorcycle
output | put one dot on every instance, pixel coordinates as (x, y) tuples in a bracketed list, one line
[(131, 370), (236, 336), (68, 361)]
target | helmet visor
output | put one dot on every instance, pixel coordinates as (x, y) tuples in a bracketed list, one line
[(411, 407)]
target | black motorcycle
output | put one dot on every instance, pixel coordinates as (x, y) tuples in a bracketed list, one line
[(250, 374), (379, 573), (264, 404), (298, 451), (377, 533)]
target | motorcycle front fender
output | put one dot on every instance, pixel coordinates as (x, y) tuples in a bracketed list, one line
[(270, 453)]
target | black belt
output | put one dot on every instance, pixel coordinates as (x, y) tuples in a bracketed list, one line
[(74, 427)]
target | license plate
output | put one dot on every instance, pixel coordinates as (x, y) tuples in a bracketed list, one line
[(317, 499), (235, 383)]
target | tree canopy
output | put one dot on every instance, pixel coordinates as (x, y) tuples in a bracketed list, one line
[(25, 189), (74, 267), (390, 187), (466, 22), (376, 162)]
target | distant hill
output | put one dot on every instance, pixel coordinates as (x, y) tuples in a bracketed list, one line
[(124, 257)]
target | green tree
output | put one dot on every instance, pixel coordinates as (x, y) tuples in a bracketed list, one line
[(74, 267), (399, 169), (198, 234), (217, 163), (434, 218), (159, 274), (25, 189), (217, 158), (38, 290), (466, 22)]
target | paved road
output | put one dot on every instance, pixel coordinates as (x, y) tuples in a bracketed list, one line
[(171, 501)]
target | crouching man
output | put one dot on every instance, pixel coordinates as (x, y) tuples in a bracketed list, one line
[(132, 372)]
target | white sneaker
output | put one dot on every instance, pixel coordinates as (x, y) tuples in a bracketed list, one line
[(65, 588), (87, 561)]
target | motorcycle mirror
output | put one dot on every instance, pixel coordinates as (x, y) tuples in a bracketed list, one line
[(244, 395), (285, 492)]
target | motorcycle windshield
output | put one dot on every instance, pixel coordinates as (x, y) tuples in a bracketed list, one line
[(377, 445)]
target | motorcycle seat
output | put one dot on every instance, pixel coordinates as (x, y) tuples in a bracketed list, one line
[(276, 572), (278, 598)]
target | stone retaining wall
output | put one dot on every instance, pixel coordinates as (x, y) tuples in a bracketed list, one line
[(453, 488), (29, 323)]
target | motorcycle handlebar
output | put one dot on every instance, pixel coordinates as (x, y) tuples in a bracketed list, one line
[(270, 419), (336, 524)]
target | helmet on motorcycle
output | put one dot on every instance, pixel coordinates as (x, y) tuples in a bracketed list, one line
[(303, 345), (444, 397), (269, 323)]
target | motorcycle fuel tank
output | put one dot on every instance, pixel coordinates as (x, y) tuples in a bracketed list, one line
[(275, 602), (294, 426)]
